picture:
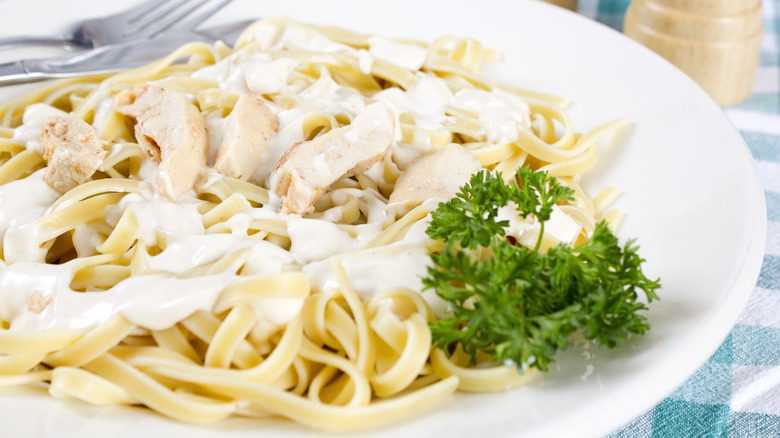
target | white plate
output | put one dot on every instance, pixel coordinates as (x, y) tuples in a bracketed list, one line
[(691, 193)]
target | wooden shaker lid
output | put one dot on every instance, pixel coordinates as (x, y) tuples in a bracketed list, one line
[(719, 50), (568, 4), (696, 26), (711, 7)]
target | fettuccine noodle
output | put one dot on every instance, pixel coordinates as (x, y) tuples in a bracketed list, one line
[(218, 302)]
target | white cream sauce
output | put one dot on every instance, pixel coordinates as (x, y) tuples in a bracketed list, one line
[(154, 301), (290, 132), (407, 56), (372, 270), (560, 228), (155, 217), (24, 201), (184, 251), (34, 119), (36, 296), (501, 114)]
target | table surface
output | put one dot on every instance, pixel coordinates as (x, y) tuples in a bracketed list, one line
[(737, 392)]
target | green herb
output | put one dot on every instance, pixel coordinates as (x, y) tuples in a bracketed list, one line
[(521, 305)]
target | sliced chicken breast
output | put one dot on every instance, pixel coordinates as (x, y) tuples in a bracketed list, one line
[(437, 175), (307, 169), (73, 152), (171, 131), (245, 142)]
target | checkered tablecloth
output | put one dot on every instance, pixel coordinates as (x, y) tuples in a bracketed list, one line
[(737, 392)]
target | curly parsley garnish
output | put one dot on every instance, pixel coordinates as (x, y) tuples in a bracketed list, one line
[(519, 304)]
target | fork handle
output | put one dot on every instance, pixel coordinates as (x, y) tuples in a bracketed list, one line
[(105, 59), (17, 73), (31, 70), (42, 40)]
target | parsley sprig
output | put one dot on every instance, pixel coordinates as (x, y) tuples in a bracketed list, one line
[(519, 304)]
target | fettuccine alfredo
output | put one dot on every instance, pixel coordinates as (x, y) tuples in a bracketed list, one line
[(243, 233)]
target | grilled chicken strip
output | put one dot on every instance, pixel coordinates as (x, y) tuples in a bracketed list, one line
[(307, 169), (171, 131), (245, 143), (73, 152), (437, 175)]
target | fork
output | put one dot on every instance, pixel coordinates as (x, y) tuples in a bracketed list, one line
[(146, 20), (115, 57)]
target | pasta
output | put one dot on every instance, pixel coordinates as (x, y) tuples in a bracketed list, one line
[(229, 297)]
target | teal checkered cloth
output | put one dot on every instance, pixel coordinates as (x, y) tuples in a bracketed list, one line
[(737, 392)]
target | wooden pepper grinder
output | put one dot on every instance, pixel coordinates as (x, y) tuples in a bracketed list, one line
[(568, 4), (716, 42)]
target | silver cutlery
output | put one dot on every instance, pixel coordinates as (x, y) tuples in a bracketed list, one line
[(149, 19), (114, 57)]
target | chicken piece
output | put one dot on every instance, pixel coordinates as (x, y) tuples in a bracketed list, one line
[(559, 228), (307, 169), (171, 131), (245, 144), (73, 151), (37, 301), (436, 175)]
